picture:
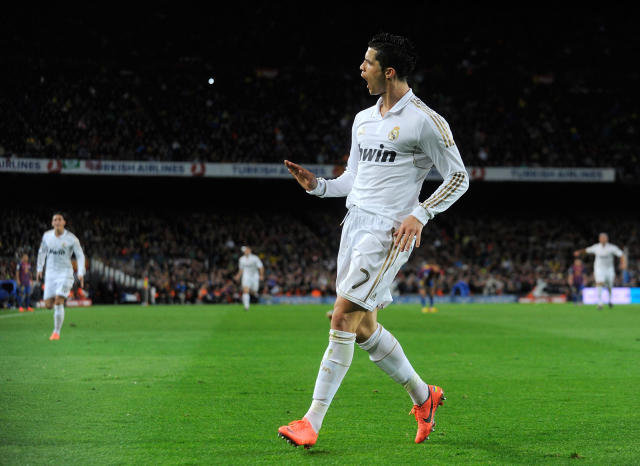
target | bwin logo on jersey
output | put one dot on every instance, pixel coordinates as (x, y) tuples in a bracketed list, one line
[(394, 133), (377, 155), (57, 252)]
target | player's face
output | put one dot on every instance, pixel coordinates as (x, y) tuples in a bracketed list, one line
[(25, 258), (603, 238), (247, 251), (371, 72), (58, 222)]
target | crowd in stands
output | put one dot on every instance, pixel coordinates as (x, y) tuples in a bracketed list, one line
[(193, 257), (508, 103)]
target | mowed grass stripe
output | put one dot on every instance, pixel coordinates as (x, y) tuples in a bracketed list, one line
[(211, 384)]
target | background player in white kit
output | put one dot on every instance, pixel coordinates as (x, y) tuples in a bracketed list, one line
[(394, 144), (604, 271), (252, 272), (54, 255)]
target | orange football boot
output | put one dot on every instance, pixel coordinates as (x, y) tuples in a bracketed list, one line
[(299, 433), (21, 309), (425, 413), (54, 336)]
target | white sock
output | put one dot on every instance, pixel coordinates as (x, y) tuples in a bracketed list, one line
[(335, 364), (246, 300), (600, 295), (386, 353), (58, 317)]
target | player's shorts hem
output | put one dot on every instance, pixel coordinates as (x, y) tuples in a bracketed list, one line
[(368, 307), (354, 300)]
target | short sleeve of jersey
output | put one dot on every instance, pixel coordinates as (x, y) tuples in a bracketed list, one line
[(591, 249), (616, 250), (436, 141)]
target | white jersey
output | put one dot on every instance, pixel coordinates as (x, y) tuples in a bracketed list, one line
[(250, 266), (390, 157), (56, 252), (604, 255)]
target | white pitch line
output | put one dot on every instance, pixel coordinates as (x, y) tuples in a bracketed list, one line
[(16, 315)]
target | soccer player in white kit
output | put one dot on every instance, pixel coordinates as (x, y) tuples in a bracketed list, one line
[(394, 144), (604, 272), (54, 254), (252, 272)]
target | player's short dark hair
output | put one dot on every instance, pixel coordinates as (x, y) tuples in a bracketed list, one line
[(393, 51), (60, 213)]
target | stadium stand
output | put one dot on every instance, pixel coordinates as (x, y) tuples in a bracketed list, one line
[(509, 105), (199, 250)]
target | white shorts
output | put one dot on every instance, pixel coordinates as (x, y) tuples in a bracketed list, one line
[(368, 261), (251, 282), (606, 276), (57, 286)]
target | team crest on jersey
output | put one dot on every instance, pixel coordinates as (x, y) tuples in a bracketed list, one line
[(394, 133), (361, 131)]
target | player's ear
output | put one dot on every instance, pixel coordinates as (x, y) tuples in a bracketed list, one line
[(389, 73)]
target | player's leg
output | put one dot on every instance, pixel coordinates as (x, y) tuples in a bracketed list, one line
[(353, 273), (337, 358), (58, 317), (246, 298), (423, 298), (333, 367), (609, 284), (579, 294), (599, 278), (599, 290), (62, 289), (387, 353), (432, 293), (20, 298), (27, 297)]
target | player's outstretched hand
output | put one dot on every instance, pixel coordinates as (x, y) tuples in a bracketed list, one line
[(304, 177), (409, 228), (39, 276), (81, 280)]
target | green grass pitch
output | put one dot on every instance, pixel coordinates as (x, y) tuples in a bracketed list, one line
[(525, 384)]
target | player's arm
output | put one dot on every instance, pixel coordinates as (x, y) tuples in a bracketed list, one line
[(77, 250), (338, 187), (623, 259), (261, 269), (436, 141), (42, 258), (239, 274), (18, 275), (579, 252)]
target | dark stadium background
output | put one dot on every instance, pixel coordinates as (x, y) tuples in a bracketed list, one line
[(594, 46)]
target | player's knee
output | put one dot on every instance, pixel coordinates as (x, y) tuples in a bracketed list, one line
[(365, 330), (340, 321)]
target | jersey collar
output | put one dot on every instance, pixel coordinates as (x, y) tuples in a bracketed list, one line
[(400, 104)]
